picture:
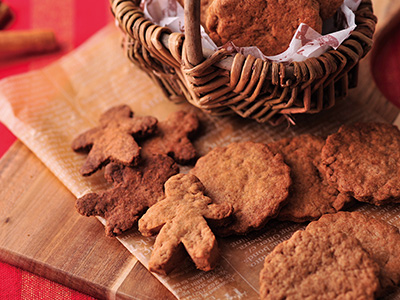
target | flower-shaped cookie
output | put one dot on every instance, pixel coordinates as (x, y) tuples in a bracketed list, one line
[(173, 137)]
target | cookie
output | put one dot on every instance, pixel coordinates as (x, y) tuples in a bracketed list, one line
[(248, 176), (114, 139), (269, 25), (310, 195), (173, 137), (134, 190), (180, 218), (329, 7), (319, 266), (378, 238), (363, 160)]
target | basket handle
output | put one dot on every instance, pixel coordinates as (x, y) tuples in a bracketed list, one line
[(192, 32)]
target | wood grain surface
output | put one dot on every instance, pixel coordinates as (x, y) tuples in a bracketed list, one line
[(41, 232)]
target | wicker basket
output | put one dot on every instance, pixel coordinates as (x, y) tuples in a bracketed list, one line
[(221, 82)]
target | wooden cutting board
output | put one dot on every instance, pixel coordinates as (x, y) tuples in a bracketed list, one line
[(41, 232)]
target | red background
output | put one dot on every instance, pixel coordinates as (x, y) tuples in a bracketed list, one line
[(73, 22)]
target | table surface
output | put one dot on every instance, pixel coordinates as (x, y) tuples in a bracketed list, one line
[(81, 19)]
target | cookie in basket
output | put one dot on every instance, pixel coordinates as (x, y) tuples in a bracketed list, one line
[(319, 266), (173, 137), (377, 237), (329, 7), (180, 220), (248, 176), (269, 25), (134, 190), (310, 194), (114, 139), (363, 160)]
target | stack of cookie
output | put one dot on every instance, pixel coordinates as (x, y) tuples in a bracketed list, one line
[(137, 172), (269, 25), (238, 188), (362, 162), (140, 156)]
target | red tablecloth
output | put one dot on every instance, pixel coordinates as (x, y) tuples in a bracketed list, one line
[(73, 21)]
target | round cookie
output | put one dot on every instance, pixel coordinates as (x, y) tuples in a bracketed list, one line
[(248, 176), (323, 266), (269, 25), (378, 238), (310, 194), (363, 160)]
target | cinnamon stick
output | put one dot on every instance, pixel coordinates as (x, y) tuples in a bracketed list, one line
[(5, 15), (23, 42)]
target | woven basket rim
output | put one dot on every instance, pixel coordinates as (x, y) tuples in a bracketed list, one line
[(221, 81), (165, 32)]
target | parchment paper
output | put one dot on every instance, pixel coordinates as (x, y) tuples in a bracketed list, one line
[(46, 109)]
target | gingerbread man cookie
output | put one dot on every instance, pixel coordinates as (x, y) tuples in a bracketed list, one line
[(134, 190), (180, 218), (114, 139)]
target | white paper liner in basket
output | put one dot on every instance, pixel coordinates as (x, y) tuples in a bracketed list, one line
[(306, 42)]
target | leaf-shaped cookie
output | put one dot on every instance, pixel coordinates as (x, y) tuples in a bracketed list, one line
[(180, 218)]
